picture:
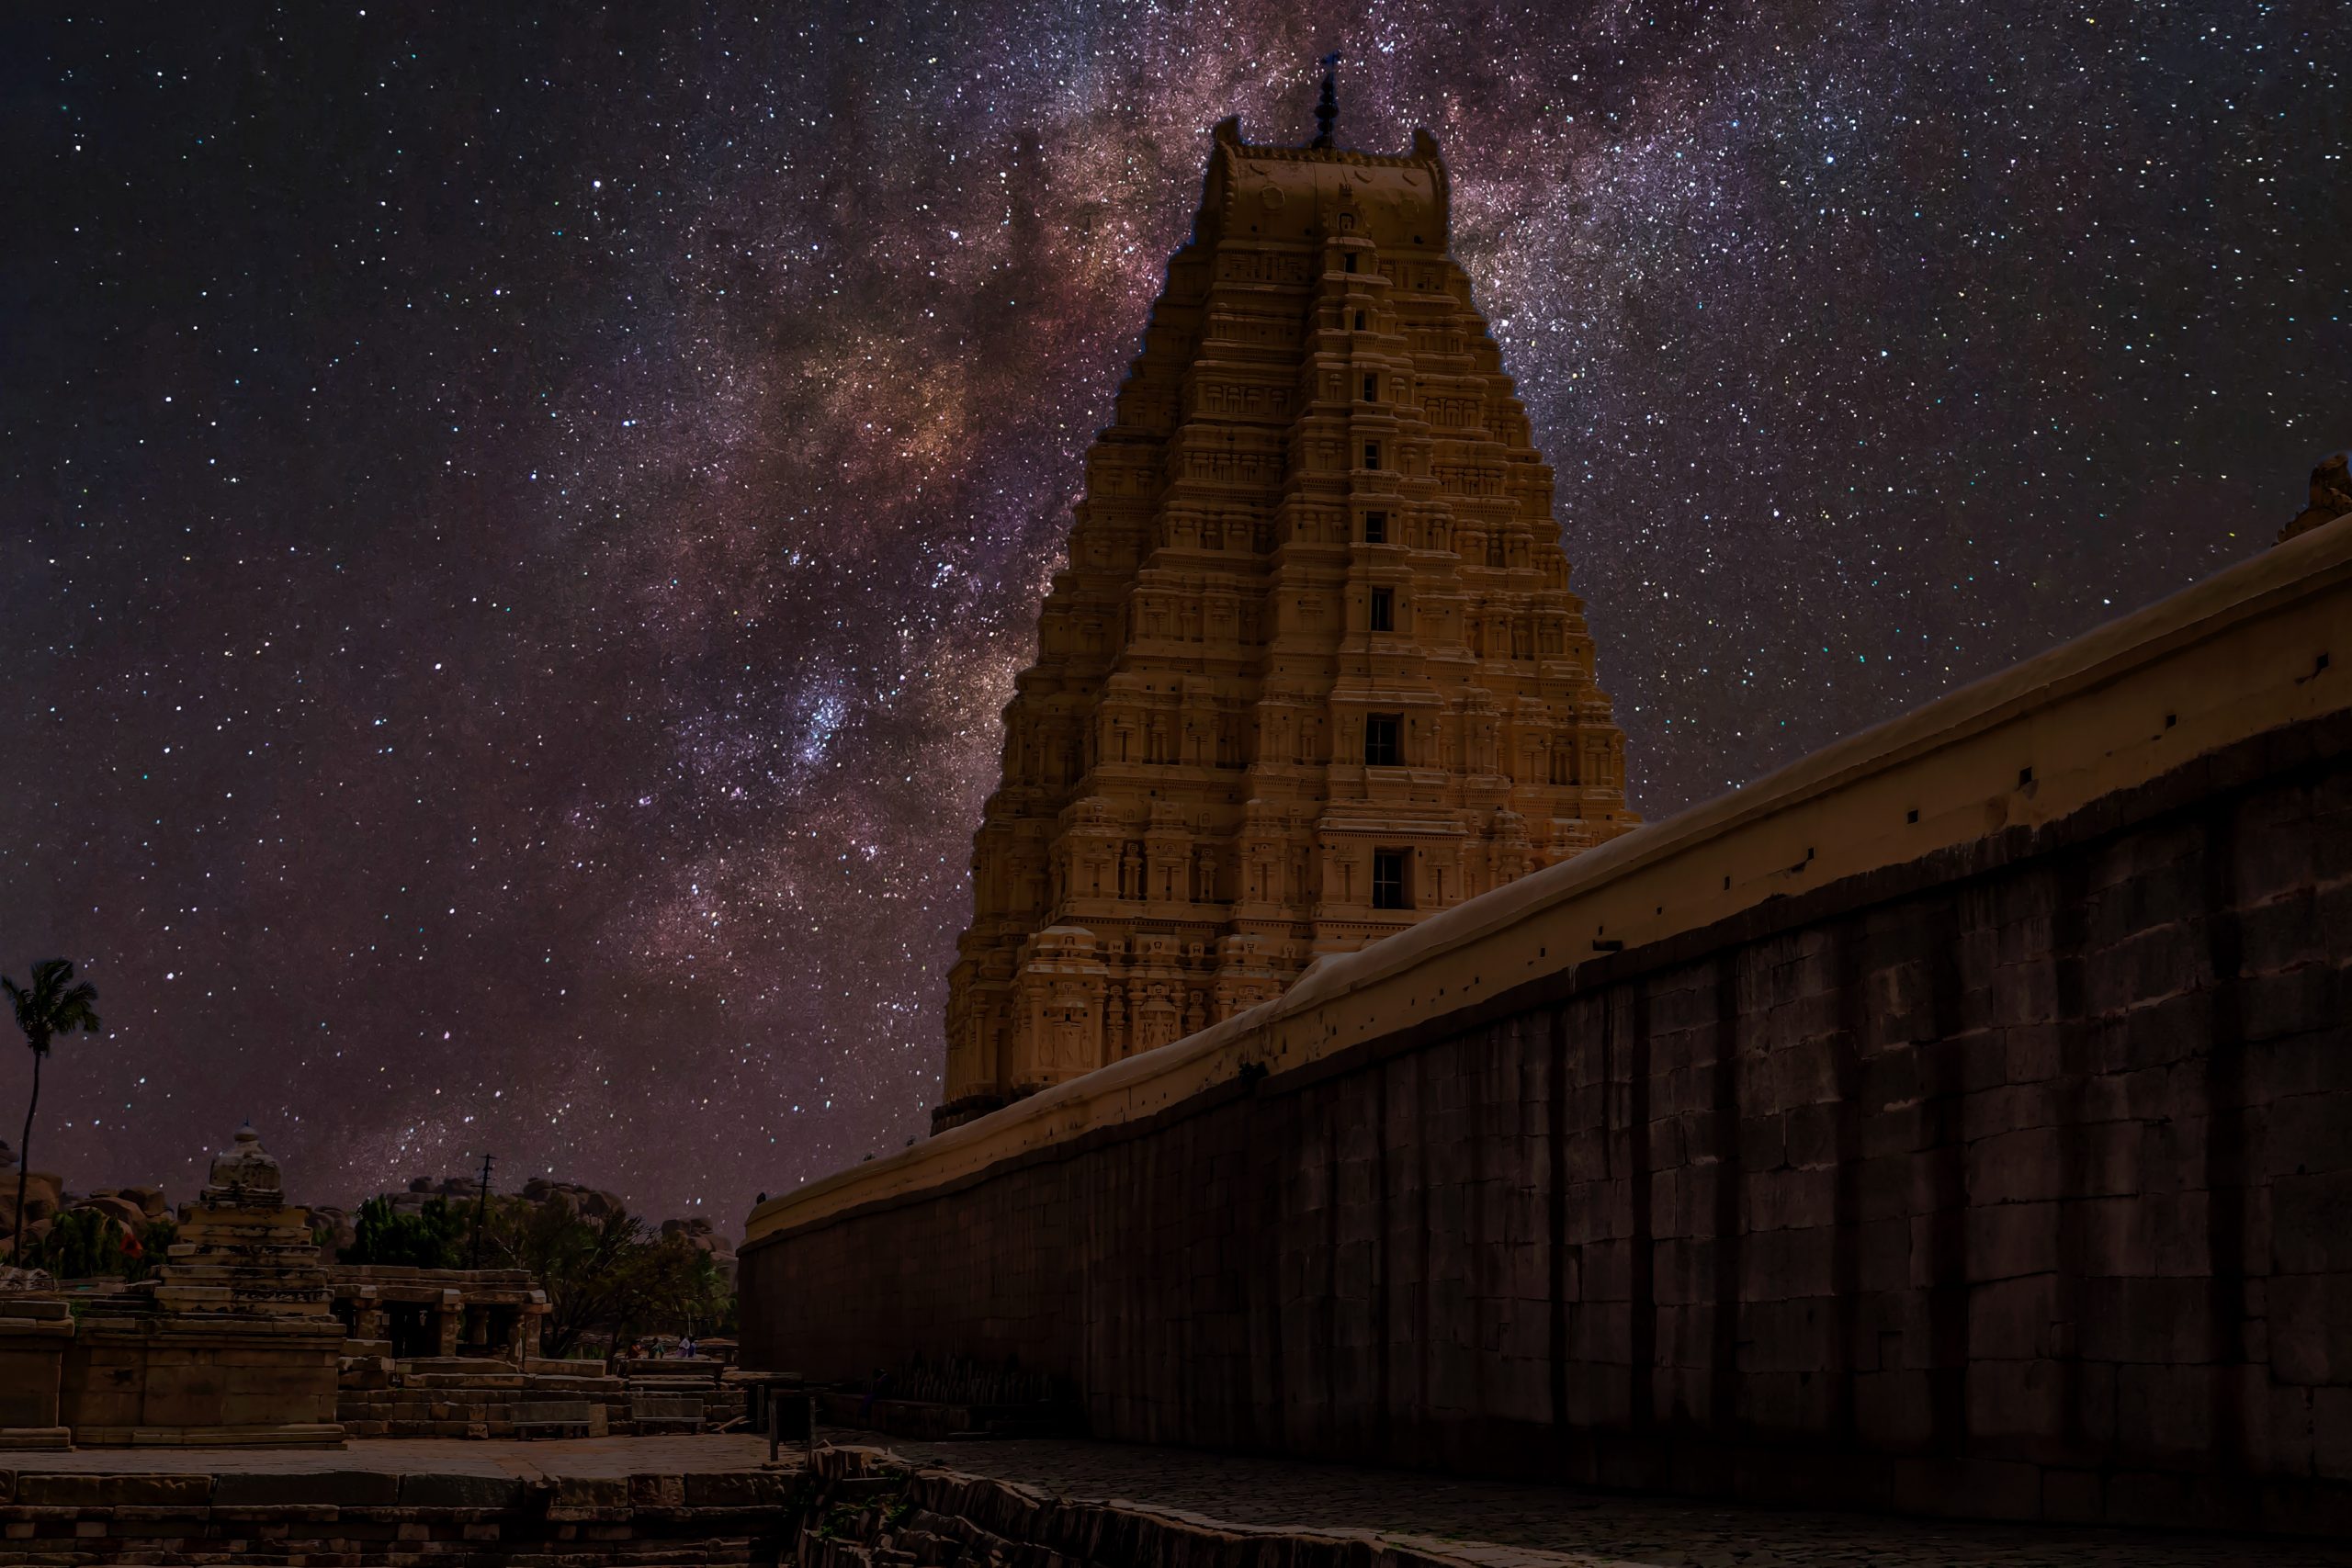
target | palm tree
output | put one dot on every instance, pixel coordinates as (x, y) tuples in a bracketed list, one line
[(53, 1005)]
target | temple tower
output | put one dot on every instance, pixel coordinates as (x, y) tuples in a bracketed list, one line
[(1313, 669)]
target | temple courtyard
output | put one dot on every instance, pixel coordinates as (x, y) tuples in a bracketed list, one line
[(723, 1485)]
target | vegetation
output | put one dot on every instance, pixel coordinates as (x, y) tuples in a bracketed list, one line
[(53, 1005), (606, 1276), (607, 1279), (86, 1244), (429, 1238), (155, 1238), (82, 1244)]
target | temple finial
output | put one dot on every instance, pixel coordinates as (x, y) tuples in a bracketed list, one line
[(1327, 113)]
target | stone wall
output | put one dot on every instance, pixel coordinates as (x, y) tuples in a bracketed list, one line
[(34, 1333), (857, 1508), (133, 1380), (380, 1519), (377, 1397), (2010, 1181), (462, 1397)]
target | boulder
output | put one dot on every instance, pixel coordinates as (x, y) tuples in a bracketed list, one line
[(43, 1193), (118, 1209), (150, 1200)]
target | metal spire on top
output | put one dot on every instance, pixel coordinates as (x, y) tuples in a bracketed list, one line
[(1327, 113)]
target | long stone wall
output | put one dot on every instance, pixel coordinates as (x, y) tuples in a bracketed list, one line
[(385, 1520), (855, 1507), (2009, 1177)]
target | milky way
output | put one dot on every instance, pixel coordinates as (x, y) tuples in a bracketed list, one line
[(518, 528)]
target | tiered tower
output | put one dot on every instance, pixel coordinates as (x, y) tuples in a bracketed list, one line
[(240, 1247), (1313, 670)]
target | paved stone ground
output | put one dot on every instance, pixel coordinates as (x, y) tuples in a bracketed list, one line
[(1585, 1525), (1641, 1530), (595, 1458)]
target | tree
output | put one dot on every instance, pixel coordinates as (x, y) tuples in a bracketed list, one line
[(53, 1005), (426, 1239), (605, 1276)]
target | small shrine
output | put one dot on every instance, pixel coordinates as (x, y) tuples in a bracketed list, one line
[(235, 1344), (241, 1249)]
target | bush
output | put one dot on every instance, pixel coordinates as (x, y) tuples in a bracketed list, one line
[(155, 1238), (82, 1244), (426, 1239)]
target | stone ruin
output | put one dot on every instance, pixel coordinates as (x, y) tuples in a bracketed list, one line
[(241, 1249), (246, 1335), (233, 1342)]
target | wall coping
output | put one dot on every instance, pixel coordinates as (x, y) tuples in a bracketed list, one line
[(2221, 661)]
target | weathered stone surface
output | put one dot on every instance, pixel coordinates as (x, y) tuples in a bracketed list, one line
[(459, 1492), (2331, 498), (1314, 670), (233, 1344), (37, 1490), (335, 1488), (1958, 1187)]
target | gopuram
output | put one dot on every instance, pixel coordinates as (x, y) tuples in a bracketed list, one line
[(1313, 670)]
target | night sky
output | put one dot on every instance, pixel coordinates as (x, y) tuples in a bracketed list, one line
[(518, 528)]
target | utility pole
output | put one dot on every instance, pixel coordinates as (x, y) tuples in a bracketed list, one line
[(482, 1207)]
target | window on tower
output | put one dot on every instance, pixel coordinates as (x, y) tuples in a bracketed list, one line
[(1383, 609), (1388, 880), (1349, 261), (1383, 742), (1359, 320), (1376, 527), (1371, 454), (1372, 389)]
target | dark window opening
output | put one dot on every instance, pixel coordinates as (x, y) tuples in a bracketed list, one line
[(1372, 389), (1349, 261), (1376, 527), (413, 1331), (1388, 880), (1359, 320), (1383, 609), (1371, 454), (1382, 747)]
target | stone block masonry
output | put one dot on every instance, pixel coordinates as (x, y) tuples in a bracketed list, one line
[(1313, 672), (371, 1518), (857, 1508), (1980, 1143)]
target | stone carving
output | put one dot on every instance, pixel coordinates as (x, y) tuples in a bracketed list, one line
[(1315, 649), (2331, 498)]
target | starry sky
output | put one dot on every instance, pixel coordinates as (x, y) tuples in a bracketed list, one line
[(519, 519)]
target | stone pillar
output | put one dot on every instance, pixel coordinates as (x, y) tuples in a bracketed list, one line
[(445, 1322), (34, 1333)]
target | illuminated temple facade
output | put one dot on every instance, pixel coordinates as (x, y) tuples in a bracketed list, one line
[(1313, 670)]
